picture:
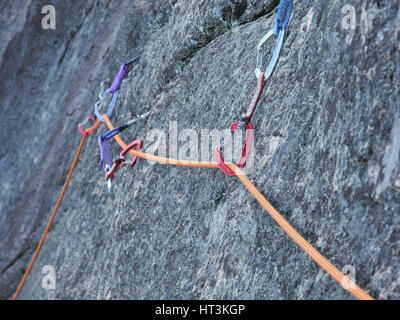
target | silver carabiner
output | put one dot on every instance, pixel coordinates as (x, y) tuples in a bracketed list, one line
[(142, 116), (102, 95), (275, 55)]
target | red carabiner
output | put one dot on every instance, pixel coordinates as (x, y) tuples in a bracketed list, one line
[(120, 161), (137, 144), (84, 132), (245, 151)]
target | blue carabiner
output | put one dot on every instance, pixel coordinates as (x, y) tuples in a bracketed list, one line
[(283, 17), (110, 108)]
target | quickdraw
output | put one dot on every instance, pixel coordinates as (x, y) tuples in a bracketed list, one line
[(282, 21), (120, 160), (283, 17), (105, 161), (114, 89), (350, 286)]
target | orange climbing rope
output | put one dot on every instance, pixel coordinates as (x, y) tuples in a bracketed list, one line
[(347, 284), (53, 214), (304, 244)]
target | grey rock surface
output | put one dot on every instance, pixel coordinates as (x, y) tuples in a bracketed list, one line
[(327, 149)]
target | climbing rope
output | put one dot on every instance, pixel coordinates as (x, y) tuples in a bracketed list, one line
[(85, 133), (350, 285), (282, 21), (120, 161), (53, 214)]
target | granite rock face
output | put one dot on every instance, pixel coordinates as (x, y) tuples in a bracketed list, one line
[(327, 149)]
